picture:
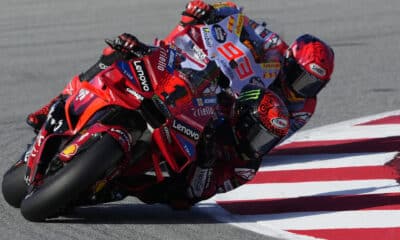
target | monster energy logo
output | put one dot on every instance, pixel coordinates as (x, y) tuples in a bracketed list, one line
[(250, 95)]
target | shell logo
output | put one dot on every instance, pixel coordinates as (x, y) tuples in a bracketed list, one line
[(70, 150)]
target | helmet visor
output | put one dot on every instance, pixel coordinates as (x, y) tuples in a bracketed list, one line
[(260, 140), (302, 82), (307, 85)]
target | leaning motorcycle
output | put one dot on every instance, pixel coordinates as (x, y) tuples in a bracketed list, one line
[(139, 115), (141, 118)]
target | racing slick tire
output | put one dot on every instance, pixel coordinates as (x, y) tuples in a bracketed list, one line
[(13, 186), (60, 190)]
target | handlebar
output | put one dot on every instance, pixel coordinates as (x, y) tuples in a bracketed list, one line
[(140, 52)]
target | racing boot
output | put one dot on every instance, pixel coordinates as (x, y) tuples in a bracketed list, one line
[(37, 118)]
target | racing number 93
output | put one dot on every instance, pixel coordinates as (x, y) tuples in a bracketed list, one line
[(232, 52)]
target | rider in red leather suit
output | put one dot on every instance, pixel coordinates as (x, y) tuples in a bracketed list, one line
[(301, 71)]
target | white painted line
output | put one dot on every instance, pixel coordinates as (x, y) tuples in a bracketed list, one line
[(352, 122), (328, 220), (293, 190), (210, 207), (318, 161), (348, 133)]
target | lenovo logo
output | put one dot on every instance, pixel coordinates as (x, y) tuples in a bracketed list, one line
[(142, 75), (186, 130)]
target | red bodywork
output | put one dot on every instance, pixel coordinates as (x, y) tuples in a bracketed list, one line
[(127, 84)]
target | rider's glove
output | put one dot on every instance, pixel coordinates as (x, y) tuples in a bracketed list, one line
[(129, 45), (195, 11)]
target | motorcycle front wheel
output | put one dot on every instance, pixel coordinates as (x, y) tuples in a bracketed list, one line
[(60, 190), (14, 187)]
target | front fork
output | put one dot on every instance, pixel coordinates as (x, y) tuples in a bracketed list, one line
[(46, 143)]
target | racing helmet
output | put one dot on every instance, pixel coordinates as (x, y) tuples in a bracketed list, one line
[(308, 66), (261, 121)]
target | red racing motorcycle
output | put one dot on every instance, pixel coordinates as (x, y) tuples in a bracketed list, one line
[(138, 117)]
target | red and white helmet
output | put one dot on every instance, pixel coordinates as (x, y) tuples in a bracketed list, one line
[(308, 66)]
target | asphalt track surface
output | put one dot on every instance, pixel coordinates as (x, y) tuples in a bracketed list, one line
[(44, 43)]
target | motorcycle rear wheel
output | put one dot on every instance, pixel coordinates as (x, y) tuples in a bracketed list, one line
[(61, 189), (14, 187)]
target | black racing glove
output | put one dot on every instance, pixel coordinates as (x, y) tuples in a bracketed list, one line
[(128, 45), (195, 12)]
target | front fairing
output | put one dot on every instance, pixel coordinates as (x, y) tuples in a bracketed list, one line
[(47, 141), (88, 102), (105, 90)]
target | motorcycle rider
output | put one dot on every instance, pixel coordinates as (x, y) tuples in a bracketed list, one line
[(304, 69), (300, 70), (231, 152)]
